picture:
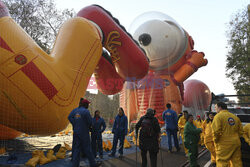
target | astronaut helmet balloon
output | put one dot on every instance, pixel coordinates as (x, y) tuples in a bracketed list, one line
[(143, 29)]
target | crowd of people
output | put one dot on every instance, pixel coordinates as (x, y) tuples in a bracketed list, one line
[(220, 133), (83, 124)]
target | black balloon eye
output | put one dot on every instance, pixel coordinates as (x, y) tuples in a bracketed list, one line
[(145, 39)]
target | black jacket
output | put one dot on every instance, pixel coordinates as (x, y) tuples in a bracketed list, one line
[(149, 142)]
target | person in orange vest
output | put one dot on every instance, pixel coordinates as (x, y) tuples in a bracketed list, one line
[(208, 137), (227, 130), (111, 121), (181, 124)]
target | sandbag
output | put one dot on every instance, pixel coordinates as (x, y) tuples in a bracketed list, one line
[(68, 148), (164, 134), (42, 159), (2, 150), (61, 154), (36, 153), (32, 162), (51, 156), (126, 144), (109, 147), (104, 145)]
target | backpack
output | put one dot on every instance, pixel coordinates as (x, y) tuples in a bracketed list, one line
[(147, 128)]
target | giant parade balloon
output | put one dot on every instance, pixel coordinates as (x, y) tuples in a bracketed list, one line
[(39, 90), (197, 95), (170, 50)]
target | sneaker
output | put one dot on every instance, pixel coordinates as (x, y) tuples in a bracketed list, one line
[(178, 149), (120, 156), (111, 155)]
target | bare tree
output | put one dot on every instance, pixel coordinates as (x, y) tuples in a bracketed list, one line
[(39, 18), (238, 60)]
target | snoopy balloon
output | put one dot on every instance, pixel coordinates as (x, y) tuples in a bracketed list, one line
[(169, 49)]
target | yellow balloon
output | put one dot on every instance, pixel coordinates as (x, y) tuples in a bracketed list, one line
[(37, 90)]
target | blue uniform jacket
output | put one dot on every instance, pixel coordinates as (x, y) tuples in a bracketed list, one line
[(170, 118), (81, 121), (98, 126), (120, 126)]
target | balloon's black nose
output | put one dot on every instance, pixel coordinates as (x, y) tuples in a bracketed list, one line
[(145, 39)]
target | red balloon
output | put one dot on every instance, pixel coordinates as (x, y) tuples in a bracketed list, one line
[(196, 95)]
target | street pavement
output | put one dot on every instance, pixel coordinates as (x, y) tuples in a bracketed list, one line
[(164, 159)]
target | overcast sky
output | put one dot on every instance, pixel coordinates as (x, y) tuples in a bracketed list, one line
[(205, 20)]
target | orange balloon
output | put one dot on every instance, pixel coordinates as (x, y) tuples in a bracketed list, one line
[(196, 94), (153, 91)]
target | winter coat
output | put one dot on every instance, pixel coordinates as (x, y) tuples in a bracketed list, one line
[(191, 134), (148, 142), (120, 126), (98, 126)]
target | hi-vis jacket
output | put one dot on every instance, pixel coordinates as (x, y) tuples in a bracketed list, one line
[(246, 134), (207, 131), (226, 127), (181, 123)]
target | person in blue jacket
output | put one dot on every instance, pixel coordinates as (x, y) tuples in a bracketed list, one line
[(98, 126), (120, 129), (171, 121), (81, 121)]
